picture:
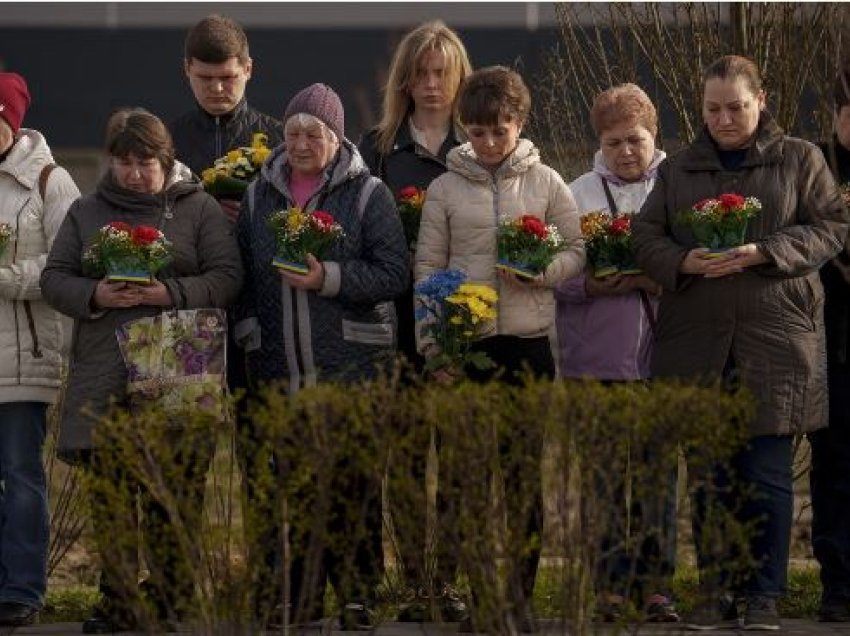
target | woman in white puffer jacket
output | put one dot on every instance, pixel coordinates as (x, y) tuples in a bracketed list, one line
[(33, 200), (494, 177)]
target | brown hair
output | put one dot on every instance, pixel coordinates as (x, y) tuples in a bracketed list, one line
[(623, 103), (135, 131), (216, 39), (491, 94), (732, 66), (427, 37)]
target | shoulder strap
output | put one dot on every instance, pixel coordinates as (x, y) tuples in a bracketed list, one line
[(650, 314), (43, 177), (612, 206), (365, 192)]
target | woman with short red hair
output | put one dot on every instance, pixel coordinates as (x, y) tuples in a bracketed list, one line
[(605, 332)]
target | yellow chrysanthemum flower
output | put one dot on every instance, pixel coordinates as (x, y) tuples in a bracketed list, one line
[(259, 140), (209, 176), (485, 293), (233, 156), (260, 155), (594, 224), (295, 219)]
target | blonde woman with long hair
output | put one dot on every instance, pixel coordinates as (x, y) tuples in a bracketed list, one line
[(408, 147)]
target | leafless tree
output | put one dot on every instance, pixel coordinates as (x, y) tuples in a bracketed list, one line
[(664, 47)]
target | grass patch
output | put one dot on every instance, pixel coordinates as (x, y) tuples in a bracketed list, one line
[(801, 601), (72, 604)]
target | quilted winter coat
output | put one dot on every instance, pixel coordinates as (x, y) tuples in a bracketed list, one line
[(31, 334), (458, 230), (768, 318)]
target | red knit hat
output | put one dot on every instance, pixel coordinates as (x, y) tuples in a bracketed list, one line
[(14, 99), (320, 101)]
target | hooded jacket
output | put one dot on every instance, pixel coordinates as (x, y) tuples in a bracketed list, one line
[(205, 271), (31, 333), (342, 331), (459, 221), (605, 337), (768, 318)]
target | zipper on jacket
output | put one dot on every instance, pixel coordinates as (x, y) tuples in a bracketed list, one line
[(218, 152), (36, 351), (494, 186)]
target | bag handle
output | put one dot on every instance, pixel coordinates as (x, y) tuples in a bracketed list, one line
[(612, 205), (365, 193), (43, 177)]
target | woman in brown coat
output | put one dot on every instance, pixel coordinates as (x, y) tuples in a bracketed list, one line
[(143, 185), (752, 316)]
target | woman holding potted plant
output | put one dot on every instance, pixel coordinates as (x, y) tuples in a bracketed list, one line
[(333, 321), (752, 316), (144, 185), (605, 332), (494, 178)]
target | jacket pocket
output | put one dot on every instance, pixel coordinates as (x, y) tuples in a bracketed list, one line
[(372, 326)]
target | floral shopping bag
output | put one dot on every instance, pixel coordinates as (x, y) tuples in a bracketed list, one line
[(177, 359)]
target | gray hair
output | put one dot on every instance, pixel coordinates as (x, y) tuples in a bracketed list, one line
[(305, 120)]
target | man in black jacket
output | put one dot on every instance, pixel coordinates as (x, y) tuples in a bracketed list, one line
[(218, 67), (830, 474)]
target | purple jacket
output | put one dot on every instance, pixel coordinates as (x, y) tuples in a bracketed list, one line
[(605, 337)]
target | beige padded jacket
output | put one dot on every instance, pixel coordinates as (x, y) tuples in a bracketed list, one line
[(458, 230)]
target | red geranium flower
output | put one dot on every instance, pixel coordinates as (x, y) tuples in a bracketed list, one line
[(731, 201), (533, 225), (120, 226), (408, 193), (699, 205), (323, 219), (620, 226), (145, 234)]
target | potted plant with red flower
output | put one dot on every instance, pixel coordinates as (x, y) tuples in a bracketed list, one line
[(298, 233), (721, 223), (121, 252), (609, 243), (526, 245)]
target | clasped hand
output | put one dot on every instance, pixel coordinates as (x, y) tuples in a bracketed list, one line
[(732, 261), (121, 295), (313, 279), (617, 284)]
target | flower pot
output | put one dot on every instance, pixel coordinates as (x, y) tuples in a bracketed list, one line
[(290, 266), (518, 269), (128, 271), (719, 237)]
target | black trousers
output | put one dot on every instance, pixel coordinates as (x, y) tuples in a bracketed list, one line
[(830, 487), (333, 514), (520, 454)]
